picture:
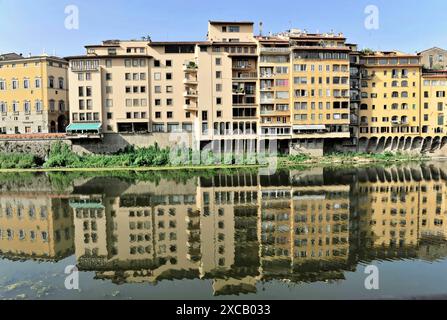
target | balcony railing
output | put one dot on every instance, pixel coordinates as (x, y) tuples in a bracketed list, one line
[(275, 50), (245, 75)]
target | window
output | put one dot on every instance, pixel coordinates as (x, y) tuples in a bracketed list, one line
[(157, 63), (169, 102), (218, 101), (218, 74), (168, 63), (169, 89), (218, 61), (26, 83), (168, 76), (157, 89), (108, 76), (108, 63), (157, 76), (61, 83), (169, 114), (27, 107), (37, 83), (15, 84), (51, 82), (234, 29)]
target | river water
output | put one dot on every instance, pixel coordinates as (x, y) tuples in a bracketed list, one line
[(320, 233)]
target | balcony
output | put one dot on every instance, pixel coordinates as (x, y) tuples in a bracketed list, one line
[(190, 67), (191, 94), (275, 50), (245, 75), (242, 67), (267, 100), (191, 107), (190, 81)]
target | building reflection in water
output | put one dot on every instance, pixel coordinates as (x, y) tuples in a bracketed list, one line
[(236, 230)]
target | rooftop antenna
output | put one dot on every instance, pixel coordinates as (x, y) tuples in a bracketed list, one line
[(260, 28)]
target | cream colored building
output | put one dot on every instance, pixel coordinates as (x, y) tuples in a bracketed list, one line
[(33, 94)]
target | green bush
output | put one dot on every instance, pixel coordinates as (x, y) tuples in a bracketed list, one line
[(18, 161)]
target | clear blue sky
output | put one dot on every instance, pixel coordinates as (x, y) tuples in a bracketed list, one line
[(34, 25)]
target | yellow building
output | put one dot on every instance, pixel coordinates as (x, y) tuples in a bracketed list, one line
[(33, 226), (390, 94), (433, 106), (33, 94)]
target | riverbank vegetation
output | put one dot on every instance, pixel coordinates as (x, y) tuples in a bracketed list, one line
[(352, 158), (61, 157)]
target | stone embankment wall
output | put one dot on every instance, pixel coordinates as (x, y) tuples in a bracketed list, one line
[(40, 144)]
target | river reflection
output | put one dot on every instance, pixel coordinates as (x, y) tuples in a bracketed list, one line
[(236, 229)]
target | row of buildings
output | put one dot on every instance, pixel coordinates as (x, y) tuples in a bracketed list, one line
[(237, 230), (295, 88)]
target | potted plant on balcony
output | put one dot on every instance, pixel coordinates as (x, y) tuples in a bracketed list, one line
[(192, 65)]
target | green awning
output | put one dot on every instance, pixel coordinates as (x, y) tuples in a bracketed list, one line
[(84, 127)]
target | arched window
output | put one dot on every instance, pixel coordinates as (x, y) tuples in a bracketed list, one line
[(61, 106), (52, 105), (404, 94), (61, 83), (51, 82), (395, 94), (404, 83)]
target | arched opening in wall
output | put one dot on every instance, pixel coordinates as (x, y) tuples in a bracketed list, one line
[(436, 143), (380, 145), (417, 143), (372, 145), (401, 143), (381, 174), (394, 175), (443, 174), (426, 145), (395, 143), (434, 173), (416, 175), (388, 176), (388, 143), (407, 145), (61, 123), (400, 174), (426, 174), (372, 175), (443, 142), (363, 144), (407, 174), (52, 126)]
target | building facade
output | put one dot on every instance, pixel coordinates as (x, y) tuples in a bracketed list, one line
[(296, 91), (434, 58), (33, 94)]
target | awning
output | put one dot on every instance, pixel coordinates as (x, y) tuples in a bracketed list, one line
[(310, 127), (84, 127)]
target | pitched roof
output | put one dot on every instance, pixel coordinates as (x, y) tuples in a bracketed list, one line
[(10, 56), (433, 48)]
